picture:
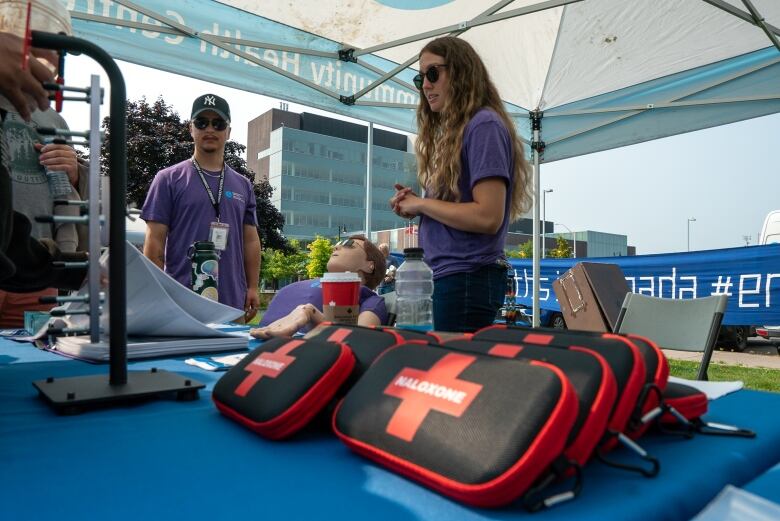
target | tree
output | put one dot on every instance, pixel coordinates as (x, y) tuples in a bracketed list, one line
[(320, 250), (157, 138), (526, 251), (561, 250)]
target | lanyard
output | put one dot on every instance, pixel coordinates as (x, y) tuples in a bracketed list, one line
[(214, 202)]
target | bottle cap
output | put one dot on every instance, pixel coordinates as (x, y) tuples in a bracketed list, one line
[(413, 253)]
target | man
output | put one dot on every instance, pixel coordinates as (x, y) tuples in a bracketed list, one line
[(203, 199), (298, 306), (391, 264)]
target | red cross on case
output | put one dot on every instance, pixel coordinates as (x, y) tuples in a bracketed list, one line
[(437, 389), (270, 364), (505, 350)]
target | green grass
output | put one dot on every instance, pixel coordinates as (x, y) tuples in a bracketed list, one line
[(756, 378)]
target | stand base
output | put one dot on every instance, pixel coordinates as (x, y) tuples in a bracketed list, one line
[(78, 394)]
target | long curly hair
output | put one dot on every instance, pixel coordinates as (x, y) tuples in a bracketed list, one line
[(440, 134)]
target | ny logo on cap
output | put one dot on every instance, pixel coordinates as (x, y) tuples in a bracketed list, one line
[(209, 100), (270, 364), (438, 389)]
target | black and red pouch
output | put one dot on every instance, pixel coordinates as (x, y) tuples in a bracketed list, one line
[(683, 409), (627, 364), (480, 429), (366, 343), (278, 388), (588, 373)]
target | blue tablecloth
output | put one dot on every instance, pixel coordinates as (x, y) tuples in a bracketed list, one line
[(171, 460)]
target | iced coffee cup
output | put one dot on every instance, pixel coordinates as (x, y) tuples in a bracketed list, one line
[(341, 297)]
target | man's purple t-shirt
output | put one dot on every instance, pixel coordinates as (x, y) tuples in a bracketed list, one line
[(310, 292), (486, 153), (178, 199)]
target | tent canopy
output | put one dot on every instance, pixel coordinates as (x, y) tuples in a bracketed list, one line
[(579, 76), (601, 73)]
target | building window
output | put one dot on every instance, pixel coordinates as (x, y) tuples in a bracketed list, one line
[(346, 200)]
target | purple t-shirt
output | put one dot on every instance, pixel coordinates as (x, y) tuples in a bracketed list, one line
[(310, 292), (178, 199), (486, 153)]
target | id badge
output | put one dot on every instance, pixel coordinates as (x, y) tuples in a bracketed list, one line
[(218, 234)]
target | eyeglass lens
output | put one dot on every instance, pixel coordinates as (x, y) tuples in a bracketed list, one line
[(432, 74), (346, 243), (217, 123)]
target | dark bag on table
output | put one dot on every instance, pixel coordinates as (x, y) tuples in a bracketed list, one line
[(366, 343), (476, 428), (625, 359), (589, 374), (281, 386)]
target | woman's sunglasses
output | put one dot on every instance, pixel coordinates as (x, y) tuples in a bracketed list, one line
[(203, 123), (347, 243), (432, 74)]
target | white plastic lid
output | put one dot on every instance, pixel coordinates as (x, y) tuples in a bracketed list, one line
[(346, 276)]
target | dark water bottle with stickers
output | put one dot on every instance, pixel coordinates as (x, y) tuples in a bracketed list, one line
[(205, 269)]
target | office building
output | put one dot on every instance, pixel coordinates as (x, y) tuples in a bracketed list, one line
[(317, 168)]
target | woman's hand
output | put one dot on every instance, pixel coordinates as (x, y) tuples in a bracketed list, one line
[(405, 203)]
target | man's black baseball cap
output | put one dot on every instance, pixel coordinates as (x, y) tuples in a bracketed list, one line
[(211, 102)]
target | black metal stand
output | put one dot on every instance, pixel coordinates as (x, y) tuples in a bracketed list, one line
[(76, 394)]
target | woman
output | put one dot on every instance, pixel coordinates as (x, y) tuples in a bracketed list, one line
[(471, 165)]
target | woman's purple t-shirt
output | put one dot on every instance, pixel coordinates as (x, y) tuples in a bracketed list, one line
[(178, 199), (486, 153), (310, 292)]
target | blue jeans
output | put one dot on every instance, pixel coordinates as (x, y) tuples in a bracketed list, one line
[(466, 302)]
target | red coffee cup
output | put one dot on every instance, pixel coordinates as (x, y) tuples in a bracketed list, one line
[(341, 297)]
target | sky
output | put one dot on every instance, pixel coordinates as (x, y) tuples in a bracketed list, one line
[(727, 177)]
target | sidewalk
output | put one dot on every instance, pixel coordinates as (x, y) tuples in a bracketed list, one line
[(745, 359)]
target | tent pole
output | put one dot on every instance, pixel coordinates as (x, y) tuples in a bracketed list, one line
[(369, 180), (537, 146), (759, 21)]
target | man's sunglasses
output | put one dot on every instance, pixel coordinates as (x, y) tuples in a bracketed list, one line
[(347, 243), (432, 74), (203, 123)]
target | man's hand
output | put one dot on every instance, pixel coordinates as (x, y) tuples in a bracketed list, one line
[(60, 158), (22, 87), (251, 304)]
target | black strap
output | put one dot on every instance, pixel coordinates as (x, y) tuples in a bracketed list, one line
[(214, 201)]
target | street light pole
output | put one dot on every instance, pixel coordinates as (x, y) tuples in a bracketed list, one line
[(690, 220), (544, 219)]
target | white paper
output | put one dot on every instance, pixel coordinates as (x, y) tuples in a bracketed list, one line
[(713, 390), (146, 347), (157, 305)]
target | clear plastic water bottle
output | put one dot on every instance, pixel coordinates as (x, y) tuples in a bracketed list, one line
[(414, 287)]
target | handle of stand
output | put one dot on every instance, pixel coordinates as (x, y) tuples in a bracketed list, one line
[(118, 194)]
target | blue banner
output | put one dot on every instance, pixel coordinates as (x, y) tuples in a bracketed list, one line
[(750, 276)]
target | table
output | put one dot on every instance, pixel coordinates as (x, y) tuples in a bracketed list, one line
[(173, 460)]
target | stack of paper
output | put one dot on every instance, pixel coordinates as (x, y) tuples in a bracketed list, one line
[(146, 347), (163, 318)]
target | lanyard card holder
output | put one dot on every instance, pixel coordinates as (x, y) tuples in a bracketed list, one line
[(479, 429), (278, 388)]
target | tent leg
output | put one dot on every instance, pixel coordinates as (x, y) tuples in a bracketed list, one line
[(537, 146), (369, 180), (536, 244)]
